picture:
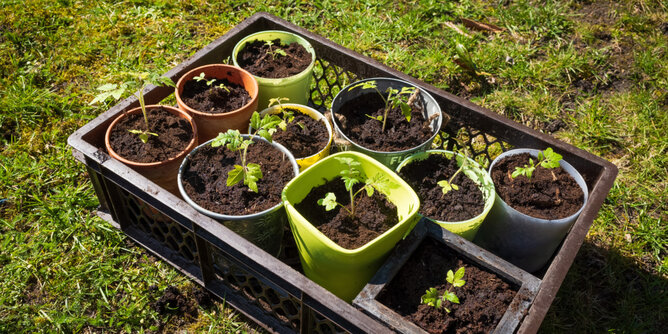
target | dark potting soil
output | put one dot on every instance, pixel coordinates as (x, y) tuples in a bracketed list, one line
[(211, 99), (373, 215), (174, 134), (205, 179), (482, 300), (399, 134), (456, 205), (550, 194), (304, 136), (255, 58)]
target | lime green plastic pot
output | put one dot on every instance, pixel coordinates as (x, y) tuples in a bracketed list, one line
[(296, 87), (342, 271), (305, 162), (467, 228)]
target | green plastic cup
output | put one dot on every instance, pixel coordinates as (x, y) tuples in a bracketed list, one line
[(342, 271), (296, 87), (466, 228)]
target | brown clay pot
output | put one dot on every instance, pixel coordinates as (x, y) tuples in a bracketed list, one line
[(209, 124), (162, 173)]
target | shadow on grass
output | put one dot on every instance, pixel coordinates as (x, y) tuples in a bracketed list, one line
[(607, 292)]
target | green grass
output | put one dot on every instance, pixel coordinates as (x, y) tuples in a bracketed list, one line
[(596, 67)]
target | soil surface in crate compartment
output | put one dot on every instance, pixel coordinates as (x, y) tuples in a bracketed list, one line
[(482, 300), (304, 136), (457, 205), (373, 215), (205, 179), (214, 99), (174, 135), (256, 57), (399, 134), (550, 194)]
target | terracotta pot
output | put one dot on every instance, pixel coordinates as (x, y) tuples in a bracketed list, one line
[(162, 173), (210, 124)]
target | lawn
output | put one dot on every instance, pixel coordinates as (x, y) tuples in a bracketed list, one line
[(590, 73)]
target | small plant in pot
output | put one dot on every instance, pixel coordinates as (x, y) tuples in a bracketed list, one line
[(282, 63), (237, 179), (454, 191), (539, 197), (346, 212), (437, 282), (306, 133), (151, 139), (387, 119), (219, 97)]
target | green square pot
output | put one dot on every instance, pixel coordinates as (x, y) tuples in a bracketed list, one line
[(344, 272)]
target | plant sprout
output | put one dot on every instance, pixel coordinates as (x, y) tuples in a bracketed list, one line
[(250, 173), (277, 51), (395, 98), (432, 297), (351, 176), (447, 185), (547, 159), (201, 77), (141, 80)]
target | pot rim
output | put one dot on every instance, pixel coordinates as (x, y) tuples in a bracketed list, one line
[(422, 91), (221, 216), (300, 107), (488, 202), (534, 153), (180, 84), (174, 111), (305, 43)]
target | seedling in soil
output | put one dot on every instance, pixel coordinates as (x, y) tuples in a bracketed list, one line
[(201, 77), (432, 297), (287, 115), (141, 80), (274, 52), (351, 176), (547, 159), (401, 99), (250, 173), (447, 185)]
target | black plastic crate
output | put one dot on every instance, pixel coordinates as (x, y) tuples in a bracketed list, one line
[(264, 288)]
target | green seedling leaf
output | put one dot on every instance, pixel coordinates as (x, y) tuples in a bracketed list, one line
[(365, 85), (109, 90), (329, 201), (350, 182), (280, 52), (406, 111), (200, 77), (143, 135), (235, 175), (446, 186), (277, 100), (432, 298), (451, 297), (222, 86), (458, 281), (549, 159), (377, 118), (232, 139), (253, 174)]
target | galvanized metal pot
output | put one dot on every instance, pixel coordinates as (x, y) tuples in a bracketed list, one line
[(389, 159), (528, 242), (264, 229)]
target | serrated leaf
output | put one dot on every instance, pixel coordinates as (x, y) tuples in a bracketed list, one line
[(329, 201), (451, 297), (255, 120), (431, 298), (406, 111), (349, 182), (369, 189), (107, 87), (459, 274), (264, 134), (281, 52), (450, 277), (253, 174), (235, 175)]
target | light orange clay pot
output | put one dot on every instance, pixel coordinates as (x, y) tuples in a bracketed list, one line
[(162, 173), (210, 124)]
